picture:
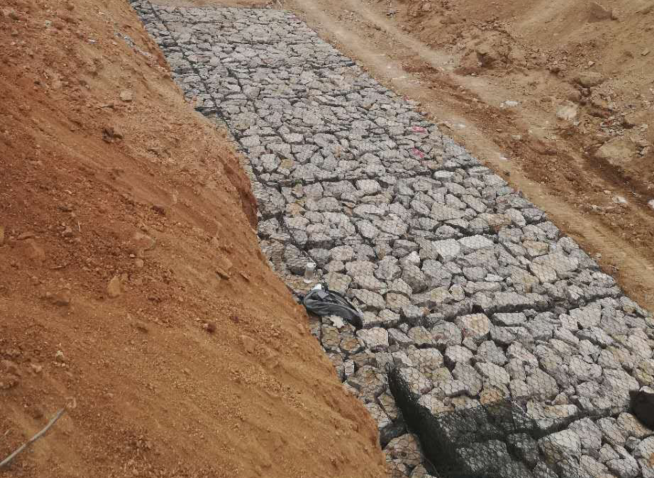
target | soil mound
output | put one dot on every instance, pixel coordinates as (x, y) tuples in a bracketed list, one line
[(132, 287)]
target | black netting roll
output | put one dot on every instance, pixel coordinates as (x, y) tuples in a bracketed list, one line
[(496, 440)]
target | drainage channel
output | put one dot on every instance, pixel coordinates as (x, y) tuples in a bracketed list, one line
[(491, 344)]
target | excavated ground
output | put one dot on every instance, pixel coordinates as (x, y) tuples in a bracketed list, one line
[(132, 286), (471, 295)]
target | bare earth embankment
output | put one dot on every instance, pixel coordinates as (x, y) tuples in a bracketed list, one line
[(132, 288)]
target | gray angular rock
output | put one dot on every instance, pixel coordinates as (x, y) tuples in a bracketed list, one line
[(440, 212), (396, 337), (415, 278), (421, 336), (624, 467), (561, 446), (489, 352), (426, 360), (412, 314), (596, 336), (375, 339), (433, 298), (406, 449), (513, 302), (379, 415), (644, 452), (592, 467), (543, 272), (493, 374), (438, 275), (468, 375), (448, 249), (400, 287), (541, 470), (368, 186), (616, 386), (611, 431), (446, 334), (587, 317), (543, 384), (483, 456), (509, 319), (369, 382), (562, 264), (371, 300), (631, 427), (474, 243), (416, 382), (583, 371), (342, 253), (475, 326), (455, 354), (589, 434), (395, 301), (389, 318)]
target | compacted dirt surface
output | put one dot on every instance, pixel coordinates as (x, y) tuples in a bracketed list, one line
[(132, 288)]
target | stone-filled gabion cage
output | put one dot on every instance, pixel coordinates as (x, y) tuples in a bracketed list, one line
[(495, 439), (490, 344)]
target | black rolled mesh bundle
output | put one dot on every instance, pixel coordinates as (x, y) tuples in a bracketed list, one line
[(492, 440)]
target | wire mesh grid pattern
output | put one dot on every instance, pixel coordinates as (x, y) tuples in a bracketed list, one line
[(490, 345)]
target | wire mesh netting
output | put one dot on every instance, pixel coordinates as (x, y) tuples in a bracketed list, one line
[(475, 440), (490, 345)]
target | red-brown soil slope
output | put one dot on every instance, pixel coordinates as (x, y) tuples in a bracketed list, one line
[(132, 288)]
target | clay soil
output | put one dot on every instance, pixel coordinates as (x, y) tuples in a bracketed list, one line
[(132, 288), (555, 95)]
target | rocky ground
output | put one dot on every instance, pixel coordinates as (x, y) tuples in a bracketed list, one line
[(506, 111), (471, 296)]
